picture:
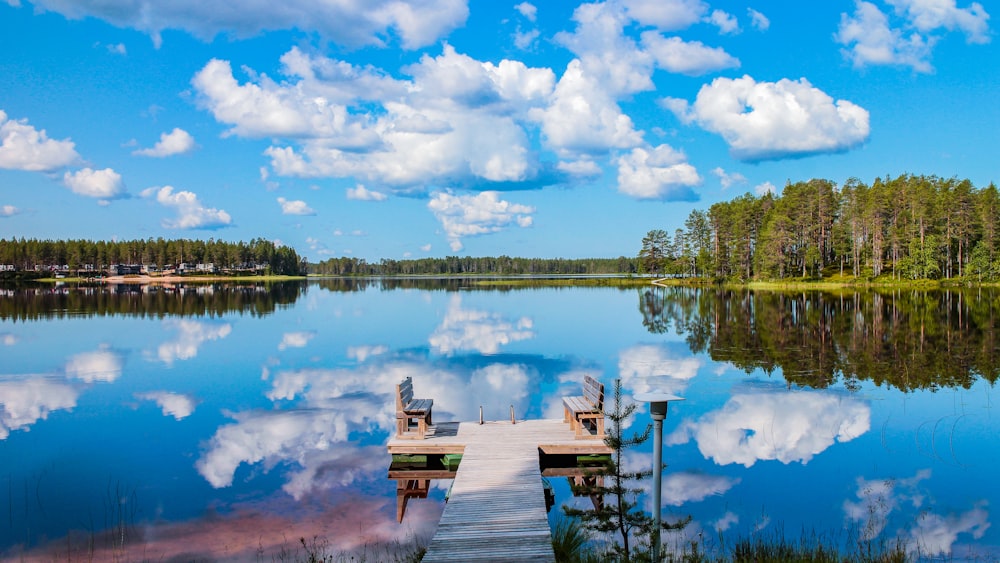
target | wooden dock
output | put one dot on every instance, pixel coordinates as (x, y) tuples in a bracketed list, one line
[(496, 511)]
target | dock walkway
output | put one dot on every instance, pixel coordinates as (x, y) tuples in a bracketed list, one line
[(496, 511)]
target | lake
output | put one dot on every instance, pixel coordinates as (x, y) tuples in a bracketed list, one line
[(227, 421)]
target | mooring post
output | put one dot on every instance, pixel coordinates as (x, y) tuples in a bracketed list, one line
[(512, 415), (480, 415)]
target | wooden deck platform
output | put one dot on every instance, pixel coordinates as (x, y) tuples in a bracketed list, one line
[(496, 511)]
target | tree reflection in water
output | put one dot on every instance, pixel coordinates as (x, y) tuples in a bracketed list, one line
[(907, 339)]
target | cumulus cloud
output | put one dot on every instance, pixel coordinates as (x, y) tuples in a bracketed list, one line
[(870, 38), (728, 180), (667, 14), (296, 339), (191, 214), (765, 188), (362, 193), (362, 353), (8, 211), (172, 404), (190, 336), (758, 20), (788, 426), (472, 215), (871, 41), (657, 173), (295, 207), (24, 402), (725, 21), (933, 534), (481, 331), (681, 488), (22, 147), (353, 23), (773, 120), (648, 366), (692, 58), (177, 141), (103, 365), (527, 10), (101, 184)]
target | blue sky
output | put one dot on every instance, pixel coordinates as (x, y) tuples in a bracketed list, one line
[(407, 129)]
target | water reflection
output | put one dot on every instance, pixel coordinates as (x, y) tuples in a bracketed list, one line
[(190, 336), (25, 401), (275, 428), (906, 339), (472, 330), (788, 426)]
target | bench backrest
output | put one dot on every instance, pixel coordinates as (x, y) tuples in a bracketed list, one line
[(404, 393), (593, 391)]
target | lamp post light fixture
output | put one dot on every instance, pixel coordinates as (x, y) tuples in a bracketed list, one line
[(658, 411)]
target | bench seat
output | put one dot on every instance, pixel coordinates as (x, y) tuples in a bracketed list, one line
[(586, 409), (410, 410)]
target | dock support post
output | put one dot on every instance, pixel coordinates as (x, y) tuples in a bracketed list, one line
[(512, 415), (480, 415)]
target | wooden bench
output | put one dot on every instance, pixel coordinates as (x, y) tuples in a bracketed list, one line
[(586, 409), (409, 409)]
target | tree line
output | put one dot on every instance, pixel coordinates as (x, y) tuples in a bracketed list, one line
[(908, 227), (467, 265), (80, 254)]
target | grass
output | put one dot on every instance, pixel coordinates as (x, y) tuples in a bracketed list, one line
[(317, 550)]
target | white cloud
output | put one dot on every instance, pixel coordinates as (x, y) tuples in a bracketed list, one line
[(349, 22), (878, 498), (298, 339), (190, 336), (24, 402), (646, 367), (728, 180), (8, 339), (8, 211), (102, 184), (871, 39), (362, 193), (362, 353), (191, 214), (790, 426), (172, 404), (758, 20), (428, 131), (726, 521), (934, 534), (765, 188), (681, 488), (483, 332), (667, 14), (932, 15), (692, 58), (524, 39), (177, 141), (22, 147), (426, 248), (117, 49), (527, 10), (472, 215), (295, 207), (657, 173), (772, 120), (103, 365), (725, 21)]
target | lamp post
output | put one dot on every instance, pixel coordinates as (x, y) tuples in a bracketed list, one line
[(658, 411)]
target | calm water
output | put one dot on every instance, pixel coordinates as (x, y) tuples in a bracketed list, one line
[(226, 422)]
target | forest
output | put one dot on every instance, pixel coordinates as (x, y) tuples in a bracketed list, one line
[(466, 265), (904, 228), (31, 254)]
